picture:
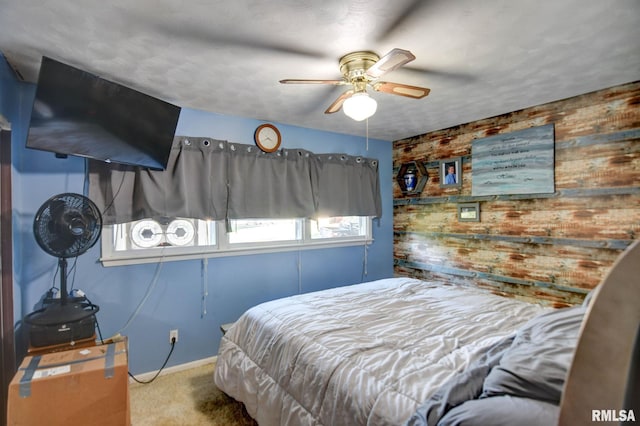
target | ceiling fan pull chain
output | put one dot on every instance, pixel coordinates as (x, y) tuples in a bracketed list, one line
[(367, 135)]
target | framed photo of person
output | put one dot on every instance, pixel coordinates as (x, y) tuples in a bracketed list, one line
[(451, 172)]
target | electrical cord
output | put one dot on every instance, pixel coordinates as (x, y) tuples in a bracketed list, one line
[(96, 318), (85, 188), (153, 282), (73, 270), (55, 276), (173, 344), (69, 272), (150, 288), (99, 331)]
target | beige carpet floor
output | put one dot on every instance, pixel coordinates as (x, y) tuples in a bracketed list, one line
[(185, 398)]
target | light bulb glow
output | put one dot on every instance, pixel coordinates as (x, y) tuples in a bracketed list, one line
[(360, 106)]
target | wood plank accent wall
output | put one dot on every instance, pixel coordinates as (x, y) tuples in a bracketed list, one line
[(552, 248)]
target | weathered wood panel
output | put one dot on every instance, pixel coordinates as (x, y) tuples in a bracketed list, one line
[(552, 247), (551, 265)]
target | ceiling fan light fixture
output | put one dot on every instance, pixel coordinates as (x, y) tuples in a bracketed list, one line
[(360, 106)]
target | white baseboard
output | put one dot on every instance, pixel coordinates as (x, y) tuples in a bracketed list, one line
[(143, 377)]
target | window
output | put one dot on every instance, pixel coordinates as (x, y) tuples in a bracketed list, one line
[(151, 240), (338, 227), (264, 231), (148, 240)]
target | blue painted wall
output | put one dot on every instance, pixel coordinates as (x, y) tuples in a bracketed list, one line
[(175, 289)]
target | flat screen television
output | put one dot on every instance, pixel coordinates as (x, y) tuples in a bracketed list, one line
[(78, 113)]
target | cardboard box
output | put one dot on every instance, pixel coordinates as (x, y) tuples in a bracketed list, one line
[(84, 386)]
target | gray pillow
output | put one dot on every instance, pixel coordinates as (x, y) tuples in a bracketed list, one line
[(536, 364), (502, 411)]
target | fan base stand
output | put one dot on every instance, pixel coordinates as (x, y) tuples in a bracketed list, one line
[(61, 324), (76, 344)]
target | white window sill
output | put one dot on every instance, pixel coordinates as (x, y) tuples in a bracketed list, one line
[(129, 258)]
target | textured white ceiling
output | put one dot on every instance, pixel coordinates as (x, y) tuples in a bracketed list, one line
[(480, 58)]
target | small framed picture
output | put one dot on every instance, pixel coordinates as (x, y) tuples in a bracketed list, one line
[(451, 172), (469, 212), (412, 177)]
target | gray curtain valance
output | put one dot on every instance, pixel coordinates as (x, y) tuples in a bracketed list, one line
[(345, 185), (212, 179), (275, 185)]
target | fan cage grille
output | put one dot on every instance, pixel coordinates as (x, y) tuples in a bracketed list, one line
[(67, 225)]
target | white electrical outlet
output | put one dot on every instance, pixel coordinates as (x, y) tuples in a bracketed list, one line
[(173, 336)]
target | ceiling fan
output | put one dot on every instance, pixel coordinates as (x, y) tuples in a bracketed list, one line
[(362, 69)]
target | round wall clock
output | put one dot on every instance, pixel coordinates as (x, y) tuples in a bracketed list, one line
[(267, 137)]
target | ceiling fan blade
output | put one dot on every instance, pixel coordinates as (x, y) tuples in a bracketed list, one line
[(401, 19), (206, 36), (298, 81), (337, 104), (389, 62), (415, 92)]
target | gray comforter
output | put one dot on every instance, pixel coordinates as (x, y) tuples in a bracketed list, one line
[(367, 354)]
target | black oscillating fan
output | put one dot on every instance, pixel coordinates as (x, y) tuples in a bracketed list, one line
[(66, 225)]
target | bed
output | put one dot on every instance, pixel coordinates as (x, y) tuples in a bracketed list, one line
[(405, 351)]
